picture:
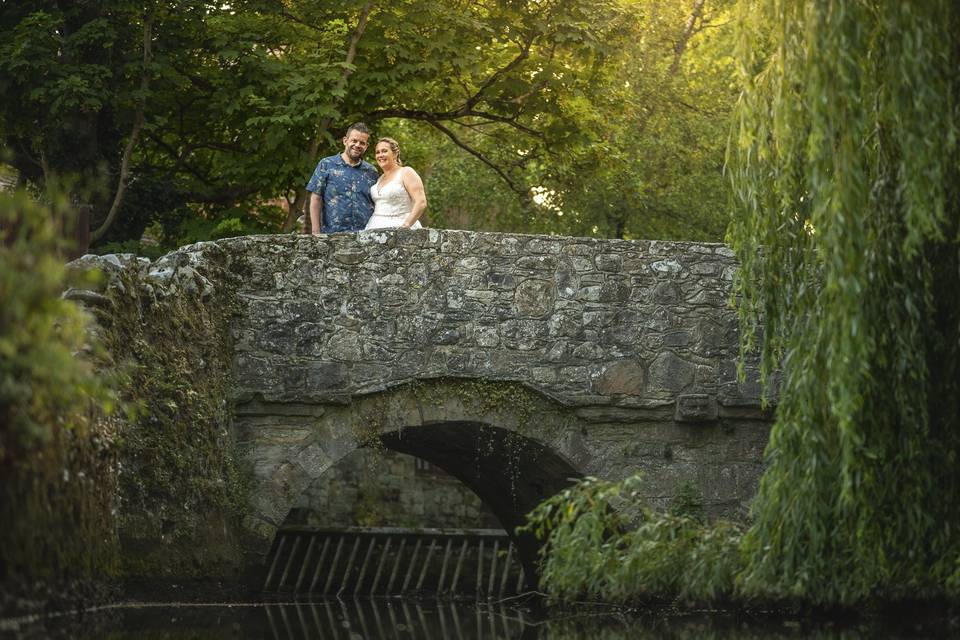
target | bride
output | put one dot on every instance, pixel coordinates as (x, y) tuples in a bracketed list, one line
[(398, 196)]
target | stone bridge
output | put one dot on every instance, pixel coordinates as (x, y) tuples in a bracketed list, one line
[(515, 363)]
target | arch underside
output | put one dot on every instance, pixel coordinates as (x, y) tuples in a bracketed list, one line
[(510, 445), (511, 454), (510, 473)]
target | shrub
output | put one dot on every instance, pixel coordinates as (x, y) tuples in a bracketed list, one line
[(56, 444), (594, 549)]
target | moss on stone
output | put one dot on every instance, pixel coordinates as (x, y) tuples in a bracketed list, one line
[(182, 494)]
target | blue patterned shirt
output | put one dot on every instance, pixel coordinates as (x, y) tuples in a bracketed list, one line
[(345, 191)]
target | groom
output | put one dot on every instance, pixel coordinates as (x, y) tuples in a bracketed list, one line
[(340, 186)]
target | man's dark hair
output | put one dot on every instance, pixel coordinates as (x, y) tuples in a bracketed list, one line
[(357, 126)]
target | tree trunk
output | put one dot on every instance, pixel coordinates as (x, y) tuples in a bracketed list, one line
[(302, 201), (688, 31), (134, 134)]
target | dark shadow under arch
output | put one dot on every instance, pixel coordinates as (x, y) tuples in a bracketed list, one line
[(510, 473)]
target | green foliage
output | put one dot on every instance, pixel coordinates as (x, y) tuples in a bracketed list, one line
[(57, 441), (648, 157), (688, 502), (632, 146), (47, 377), (846, 169), (69, 77), (225, 223), (584, 103), (593, 549)]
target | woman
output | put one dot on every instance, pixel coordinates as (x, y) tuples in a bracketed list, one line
[(398, 196)]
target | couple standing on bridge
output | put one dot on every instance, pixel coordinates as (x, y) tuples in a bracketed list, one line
[(347, 193)]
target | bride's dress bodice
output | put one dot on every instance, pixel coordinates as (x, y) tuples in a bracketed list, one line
[(391, 204)]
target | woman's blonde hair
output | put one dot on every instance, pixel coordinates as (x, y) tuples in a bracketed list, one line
[(394, 146)]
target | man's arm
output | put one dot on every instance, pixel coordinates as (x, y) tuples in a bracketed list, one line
[(316, 207), (316, 185)]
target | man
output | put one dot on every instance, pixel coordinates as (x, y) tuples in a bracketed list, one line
[(340, 186)]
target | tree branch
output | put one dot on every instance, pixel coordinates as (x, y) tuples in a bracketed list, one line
[(454, 116), (467, 109), (513, 186), (688, 31), (347, 71), (224, 196), (301, 199), (523, 55), (284, 13), (181, 155), (134, 134)]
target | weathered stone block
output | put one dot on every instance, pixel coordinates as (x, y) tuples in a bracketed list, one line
[(666, 267), (577, 249), (501, 280), (677, 339), (610, 262), (566, 279), (696, 407), (627, 377), (535, 298), (487, 337), (589, 294), (537, 263), (709, 298), (446, 335), (669, 372), (587, 351), (314, 377), (542, 245)]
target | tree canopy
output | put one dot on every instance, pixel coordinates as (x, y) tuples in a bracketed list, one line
[(599, 118)]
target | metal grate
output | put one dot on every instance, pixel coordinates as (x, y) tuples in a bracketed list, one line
[(368, 561)]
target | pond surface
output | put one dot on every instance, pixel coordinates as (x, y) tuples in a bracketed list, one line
[(404, 620)]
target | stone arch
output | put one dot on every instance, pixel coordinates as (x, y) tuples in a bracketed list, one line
[(512, 446), (511, 473)]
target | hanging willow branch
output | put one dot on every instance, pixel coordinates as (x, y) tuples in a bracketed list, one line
[(845, 166)]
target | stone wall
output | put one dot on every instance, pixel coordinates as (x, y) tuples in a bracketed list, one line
[(629, 347), (589, 322), (388, 489), (515, 363), (180, 495)]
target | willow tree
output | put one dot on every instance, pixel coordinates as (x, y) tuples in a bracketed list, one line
[(846, 168)]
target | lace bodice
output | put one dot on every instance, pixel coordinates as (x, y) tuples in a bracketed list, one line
[(391, 204)]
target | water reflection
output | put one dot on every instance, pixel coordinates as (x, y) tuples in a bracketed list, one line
[(400, 620), (404, 620)]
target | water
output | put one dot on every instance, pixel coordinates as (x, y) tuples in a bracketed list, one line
[(433, 620)]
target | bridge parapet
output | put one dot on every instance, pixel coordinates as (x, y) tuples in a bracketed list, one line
[(615, 327)]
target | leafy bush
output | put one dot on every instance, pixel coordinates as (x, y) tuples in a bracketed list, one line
[(593, 548), (57, 450), (226, 223), (46, 380)]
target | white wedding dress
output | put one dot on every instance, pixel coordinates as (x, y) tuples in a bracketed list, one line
[(391, 204)]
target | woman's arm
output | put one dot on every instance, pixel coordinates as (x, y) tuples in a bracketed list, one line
[(414, 186)]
